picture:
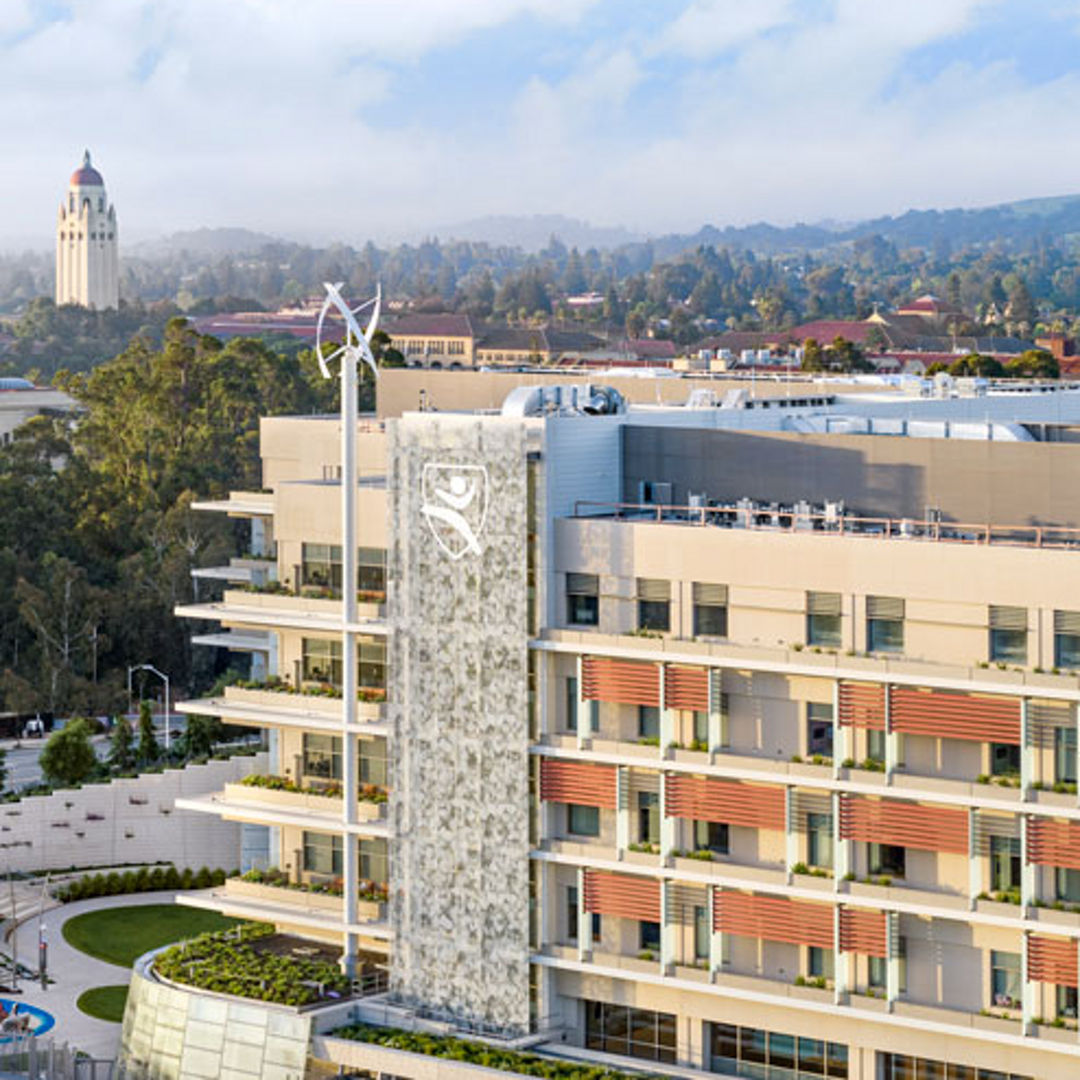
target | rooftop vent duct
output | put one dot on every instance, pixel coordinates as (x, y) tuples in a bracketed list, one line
[(574, 399)]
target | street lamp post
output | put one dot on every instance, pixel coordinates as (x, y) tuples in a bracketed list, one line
[(165, 678)]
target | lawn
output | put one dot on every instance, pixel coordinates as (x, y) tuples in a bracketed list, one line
[(119, 935), (104, 1003)]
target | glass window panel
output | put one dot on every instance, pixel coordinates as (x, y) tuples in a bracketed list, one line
[(930, 1070), (571, 703), (583, 820), (710, 620), (1068, 884), (1005, 978), (1065, 755), (753, 1045), (654, 615), (812, 1056), (374, 860), (702, 933), (782, 1050), (321, 853), (837, 1060), (961, 1072), (648, 935), (648, 722), (725, 1041), (711, 836), (1004, 759), (885, 635), (648, 817), (819, 840), (1009, 646), (322, 756), (823, 630), (1067, 650), (582, 610)]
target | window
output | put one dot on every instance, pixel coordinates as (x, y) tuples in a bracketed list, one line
[(571, 703), (1004, 978), (1004, 759), (583, 599), (711, 836), (582, 820), (702, 933), (710, 610), (773, 1055), (1067, 884), (371, 573), (648, 722), (371, 660), (1067, 639), (1065, 755), (321, 853), (321, 661), (820, 962), (819, 729), (372, 761), (885, 624), (322, 756), (374, 860), (886, 859), (701, 729), (819, 840), (879, 968), (640, 1033), (649, 936), (1004, 863), (823, 619), (320, 566), (654, 604), (902, 1067), (1066, 1001), (875, 744), (1008, 634), (648, 817), (572, 913)]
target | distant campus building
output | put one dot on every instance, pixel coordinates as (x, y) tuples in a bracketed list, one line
[(87, 246)]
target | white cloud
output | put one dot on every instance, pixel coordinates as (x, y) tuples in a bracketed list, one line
[(709, 27)]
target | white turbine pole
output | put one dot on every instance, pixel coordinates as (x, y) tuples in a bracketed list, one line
[(357, 347)]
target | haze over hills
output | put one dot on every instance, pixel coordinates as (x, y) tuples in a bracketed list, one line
[(1011, 225)]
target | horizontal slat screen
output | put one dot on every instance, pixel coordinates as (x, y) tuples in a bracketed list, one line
[(822, 603), (622, 895), (715, 595), (1067, 622), (864, 932), (884, 607), (862, 705), (583, 584), (774, 918), (915, 711), (653, 589), (729, 802), (1008, 618), (1054, 843), (903, 824), (626, 682), (1052, 960), (579, 782), (686, 688)]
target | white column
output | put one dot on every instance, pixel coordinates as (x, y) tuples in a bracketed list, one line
[(668, 929), (349, 687), (1028, 869), (892, 740), (668, 825), (1027, 990), (841, 961), (975, 865), (584, 719), (841, 848), (667, 717), (716, 937), (584, 935), (1027, 750), (718, 736), (892, 965), (843, 737), (623, 810), (791, 832)]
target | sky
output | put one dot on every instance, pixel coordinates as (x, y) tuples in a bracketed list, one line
[(349, 119)]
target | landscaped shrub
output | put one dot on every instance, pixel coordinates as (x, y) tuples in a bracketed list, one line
[(477, 1053), (228, 962), (136, 881)]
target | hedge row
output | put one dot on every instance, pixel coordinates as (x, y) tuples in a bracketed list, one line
[(477, 1053), (144, 879)]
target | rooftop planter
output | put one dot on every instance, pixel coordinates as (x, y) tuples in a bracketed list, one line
[(273, 886), (283, 792), (243, 963)]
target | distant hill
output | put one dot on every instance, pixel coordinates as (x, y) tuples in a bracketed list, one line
[(1012, 225), (532, 232), (214, 242)]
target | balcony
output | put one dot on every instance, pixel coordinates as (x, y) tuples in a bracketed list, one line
[(279, 607)]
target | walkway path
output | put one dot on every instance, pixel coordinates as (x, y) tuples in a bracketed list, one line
[(73, 972)]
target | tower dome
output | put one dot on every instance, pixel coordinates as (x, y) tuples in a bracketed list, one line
[(86, 175)]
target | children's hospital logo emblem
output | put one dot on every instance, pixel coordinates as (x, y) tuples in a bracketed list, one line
[(455, 506)]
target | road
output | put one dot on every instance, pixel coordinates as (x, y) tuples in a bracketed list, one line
[(22, 765)]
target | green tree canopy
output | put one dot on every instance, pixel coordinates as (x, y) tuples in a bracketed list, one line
[(68, 756)]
